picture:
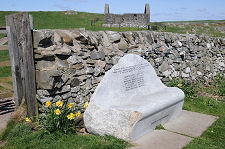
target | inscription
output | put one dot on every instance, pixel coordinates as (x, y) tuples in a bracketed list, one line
[(133, 81), (130, 68)]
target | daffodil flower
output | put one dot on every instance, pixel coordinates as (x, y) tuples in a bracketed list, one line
[(70, 105), (28, 120), (71, 116), (179, 85), (59, 103), (48, 103), (78, 114), (57, 112), (86, 104)]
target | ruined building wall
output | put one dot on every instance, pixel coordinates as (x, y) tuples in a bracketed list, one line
[(127, 20), (70, 64)]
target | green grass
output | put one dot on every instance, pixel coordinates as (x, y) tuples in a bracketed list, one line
[(4, 55), (58, 20), (5, 71), (21, 136), (2, 35)]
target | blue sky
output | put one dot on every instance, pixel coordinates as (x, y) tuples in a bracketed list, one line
[(160, 10)]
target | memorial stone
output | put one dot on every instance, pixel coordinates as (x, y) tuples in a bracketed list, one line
[(131, 100)]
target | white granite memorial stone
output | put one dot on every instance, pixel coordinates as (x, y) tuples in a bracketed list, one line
[(131, 100)]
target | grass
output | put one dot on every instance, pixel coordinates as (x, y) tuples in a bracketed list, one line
[(2, 35), (5, 71), (58, 20), (4, 55), (21, 136)]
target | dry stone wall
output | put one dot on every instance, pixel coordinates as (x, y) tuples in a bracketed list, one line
[(70, 64)]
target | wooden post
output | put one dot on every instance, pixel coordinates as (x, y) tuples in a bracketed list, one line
[(19, 35)]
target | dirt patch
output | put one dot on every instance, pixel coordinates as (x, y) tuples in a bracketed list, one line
[(6, 87), (211, 96), (2, 143), (5, 63), (4, 47)]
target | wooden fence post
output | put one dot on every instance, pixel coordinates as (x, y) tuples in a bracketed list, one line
[(19, 33)]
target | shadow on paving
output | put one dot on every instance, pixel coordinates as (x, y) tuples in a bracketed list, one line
[(6, 106)]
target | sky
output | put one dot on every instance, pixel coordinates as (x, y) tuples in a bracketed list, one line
[(160, 10)]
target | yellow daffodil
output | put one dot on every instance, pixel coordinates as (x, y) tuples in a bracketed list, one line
[(86, 104), (48, 103), (59, 103), (28, 120), (71, 116), (70, 105), (57, 112), (78, 114), (179, 85)]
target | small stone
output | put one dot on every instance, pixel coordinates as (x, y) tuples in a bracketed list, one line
[(184, 75), (165, 66), (44, 80), (66, 95), (89, 70), (179, 43), (75, 89), (100, 63), (66, 38), (221, 64), (89, 61), (208, 68), (42, 93), (65, 88), (74, 60), (123, 45), (199, 73), (167, 73), (78, 66), (113, 36), (63, 51), (75, 82), (187, 70)]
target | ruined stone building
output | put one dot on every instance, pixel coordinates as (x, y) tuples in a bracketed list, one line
[(127, 20)]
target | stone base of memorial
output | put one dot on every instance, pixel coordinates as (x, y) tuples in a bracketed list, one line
[(131, 101)]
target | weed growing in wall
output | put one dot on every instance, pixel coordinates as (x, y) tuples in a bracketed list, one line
[(186, 86)]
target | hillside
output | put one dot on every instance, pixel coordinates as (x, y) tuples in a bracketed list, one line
[(59, 20)]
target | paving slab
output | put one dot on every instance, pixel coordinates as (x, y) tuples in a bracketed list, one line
[(161, 139), (190, 123), (179, 132), (3, 40)]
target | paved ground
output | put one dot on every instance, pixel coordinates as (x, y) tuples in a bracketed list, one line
[(2, 42), (7, 108), (179, 132)]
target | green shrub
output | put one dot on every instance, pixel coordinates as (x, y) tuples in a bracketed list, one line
[(186, 86)]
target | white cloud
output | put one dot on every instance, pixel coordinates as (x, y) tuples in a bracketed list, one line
[(202, 9), (62, 7)]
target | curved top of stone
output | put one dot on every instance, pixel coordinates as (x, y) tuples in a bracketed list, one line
[(131, 77)]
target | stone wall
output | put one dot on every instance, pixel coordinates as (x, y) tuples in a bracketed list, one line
[(127, 20), (70, 64)]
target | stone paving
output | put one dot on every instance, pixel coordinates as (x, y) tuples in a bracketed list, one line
[(2, 42), (179, 132), (7, 107)]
